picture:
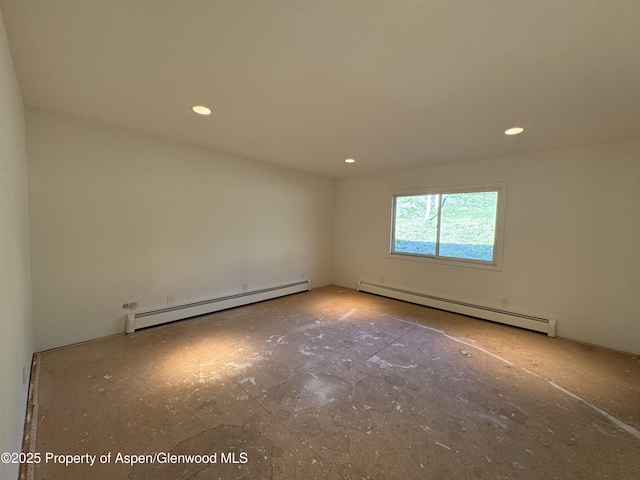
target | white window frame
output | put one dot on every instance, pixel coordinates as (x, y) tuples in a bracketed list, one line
[(496, 264)]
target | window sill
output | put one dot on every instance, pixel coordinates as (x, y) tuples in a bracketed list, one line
[(441, 261)]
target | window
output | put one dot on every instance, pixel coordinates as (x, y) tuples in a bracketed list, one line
[(452, 224)]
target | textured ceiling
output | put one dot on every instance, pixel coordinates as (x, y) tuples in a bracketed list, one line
[(306, 84)]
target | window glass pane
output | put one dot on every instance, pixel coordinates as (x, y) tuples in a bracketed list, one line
[(416, 224), (468, 225)]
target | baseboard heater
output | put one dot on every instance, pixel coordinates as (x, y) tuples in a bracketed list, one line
[(521, 320), (138, 320)]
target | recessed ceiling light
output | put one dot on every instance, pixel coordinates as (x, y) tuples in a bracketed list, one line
[(514, 131), (201, 110), (350, 160)]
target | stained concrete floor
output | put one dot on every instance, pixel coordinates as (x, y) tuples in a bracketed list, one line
[(336, 384)]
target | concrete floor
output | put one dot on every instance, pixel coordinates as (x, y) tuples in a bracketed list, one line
[(336, 384)]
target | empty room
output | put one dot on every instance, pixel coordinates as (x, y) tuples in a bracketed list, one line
[(319, 240)]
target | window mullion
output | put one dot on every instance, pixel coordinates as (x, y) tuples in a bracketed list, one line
[(439, 196)]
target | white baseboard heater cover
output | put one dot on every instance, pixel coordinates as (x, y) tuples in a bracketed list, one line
[(521, 320), (138, 320)]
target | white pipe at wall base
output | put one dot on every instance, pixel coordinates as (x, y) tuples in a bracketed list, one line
[(131, 323), (515, 319), (552, 327), (138, 320)]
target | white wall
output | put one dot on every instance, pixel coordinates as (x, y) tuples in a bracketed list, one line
[(571, 241), (16, 339), (117, 216)]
